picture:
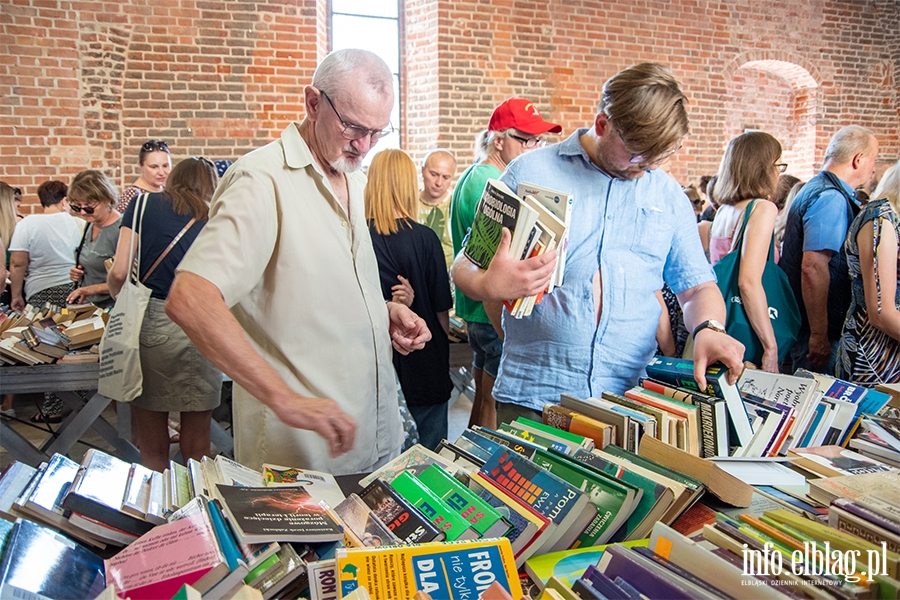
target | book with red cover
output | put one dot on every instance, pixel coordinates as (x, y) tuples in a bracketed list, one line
[(158, 563)]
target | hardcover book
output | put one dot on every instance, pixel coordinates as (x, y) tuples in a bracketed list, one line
[(430, 504), (281, 514), (449, 571), (498, 207), (184, 551), (481, 516), (406, 522), (99, 489), (565, 504), (40, 563), (834, 461)]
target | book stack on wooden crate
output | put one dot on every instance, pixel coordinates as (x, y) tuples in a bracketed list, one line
[(50, 334)]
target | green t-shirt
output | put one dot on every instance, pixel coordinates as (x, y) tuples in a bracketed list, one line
[(462, 212), (437, 217)]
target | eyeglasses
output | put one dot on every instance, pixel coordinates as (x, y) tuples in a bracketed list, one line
[(639, 158), (357, 132), (18, 191), (529, 142), (154, 145), (88, 210), (782, 167)]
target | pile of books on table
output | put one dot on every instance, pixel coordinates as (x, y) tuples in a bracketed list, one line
[(542, 508), (49, 334)]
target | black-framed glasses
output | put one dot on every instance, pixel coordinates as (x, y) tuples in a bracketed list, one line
[(782, 167), (357, 132), (17, 191), (88, 210), (155, 145), (639, 158), (529, 142)]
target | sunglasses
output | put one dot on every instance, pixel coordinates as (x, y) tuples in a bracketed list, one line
[(88, 210), (154, 145), (18, 191)]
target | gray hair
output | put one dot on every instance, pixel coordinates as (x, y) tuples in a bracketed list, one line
[(484, 142), (367, 70), (846, 143)]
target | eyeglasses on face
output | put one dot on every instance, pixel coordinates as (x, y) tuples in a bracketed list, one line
[(782, 167), (88, 210), (155, 145), (640, 158), (529, 142), (17, 191), (357, 132)]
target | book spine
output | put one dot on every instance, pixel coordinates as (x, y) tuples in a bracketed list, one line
[(709, 432), (841, 521), (867, 514)]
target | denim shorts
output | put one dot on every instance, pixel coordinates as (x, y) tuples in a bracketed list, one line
[(486, 346)]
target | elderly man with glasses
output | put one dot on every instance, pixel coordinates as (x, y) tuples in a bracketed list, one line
[(281, 288), (632, 229)]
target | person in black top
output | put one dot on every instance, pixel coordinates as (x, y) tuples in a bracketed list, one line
[(413, 271)]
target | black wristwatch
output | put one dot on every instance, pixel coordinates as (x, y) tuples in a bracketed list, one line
[(710, 324)]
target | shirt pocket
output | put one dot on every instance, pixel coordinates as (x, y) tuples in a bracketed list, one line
[(652, 236)]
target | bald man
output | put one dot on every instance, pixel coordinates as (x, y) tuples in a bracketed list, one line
[(438, 170)]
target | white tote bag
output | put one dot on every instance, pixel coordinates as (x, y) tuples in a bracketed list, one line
[(120, 347)]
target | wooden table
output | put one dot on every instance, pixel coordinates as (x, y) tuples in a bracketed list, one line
[(64, 380)]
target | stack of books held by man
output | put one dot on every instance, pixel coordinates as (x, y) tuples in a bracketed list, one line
[(538, 219), (48, 334)]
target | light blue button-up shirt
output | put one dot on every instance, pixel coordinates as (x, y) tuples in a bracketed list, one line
[(639, 233)]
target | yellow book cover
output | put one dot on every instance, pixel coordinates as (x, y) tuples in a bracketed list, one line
[(446, 570)]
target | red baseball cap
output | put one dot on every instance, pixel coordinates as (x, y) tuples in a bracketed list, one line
[(521, 114)]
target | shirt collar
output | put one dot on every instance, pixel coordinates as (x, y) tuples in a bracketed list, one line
[(297, 154)]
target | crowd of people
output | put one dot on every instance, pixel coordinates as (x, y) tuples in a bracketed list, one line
[(325, 295)]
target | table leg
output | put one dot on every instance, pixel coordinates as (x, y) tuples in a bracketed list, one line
[(75, 426), (20, 448)]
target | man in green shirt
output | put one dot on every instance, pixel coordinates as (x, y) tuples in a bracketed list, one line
[(515, 128)]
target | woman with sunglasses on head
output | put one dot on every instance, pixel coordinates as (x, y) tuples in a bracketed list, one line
[(177, 378), (93, 196), (155, 164), (747, 179)]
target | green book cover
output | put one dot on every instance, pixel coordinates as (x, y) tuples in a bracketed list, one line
[(614, 500), (481, 516), (566, 435), (631, 457), (497, 208), (569, 565), (654, 501), (436, 510), (534, 438)]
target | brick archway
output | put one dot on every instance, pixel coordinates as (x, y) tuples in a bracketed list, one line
[(780, 96)]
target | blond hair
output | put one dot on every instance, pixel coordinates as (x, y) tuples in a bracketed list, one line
[(7, 213), (748, 168), (647, 108), (889, 187), (392, 189)]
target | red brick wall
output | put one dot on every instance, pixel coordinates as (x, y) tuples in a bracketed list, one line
[(82, 84)]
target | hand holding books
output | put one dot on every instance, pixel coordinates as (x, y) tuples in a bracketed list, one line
[(506, 277)]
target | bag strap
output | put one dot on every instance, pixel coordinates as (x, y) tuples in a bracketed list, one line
[(171, 245), (740, 239), (87, 227)]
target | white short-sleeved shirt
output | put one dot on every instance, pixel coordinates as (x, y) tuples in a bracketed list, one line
[(50, 241), (302, 280)]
